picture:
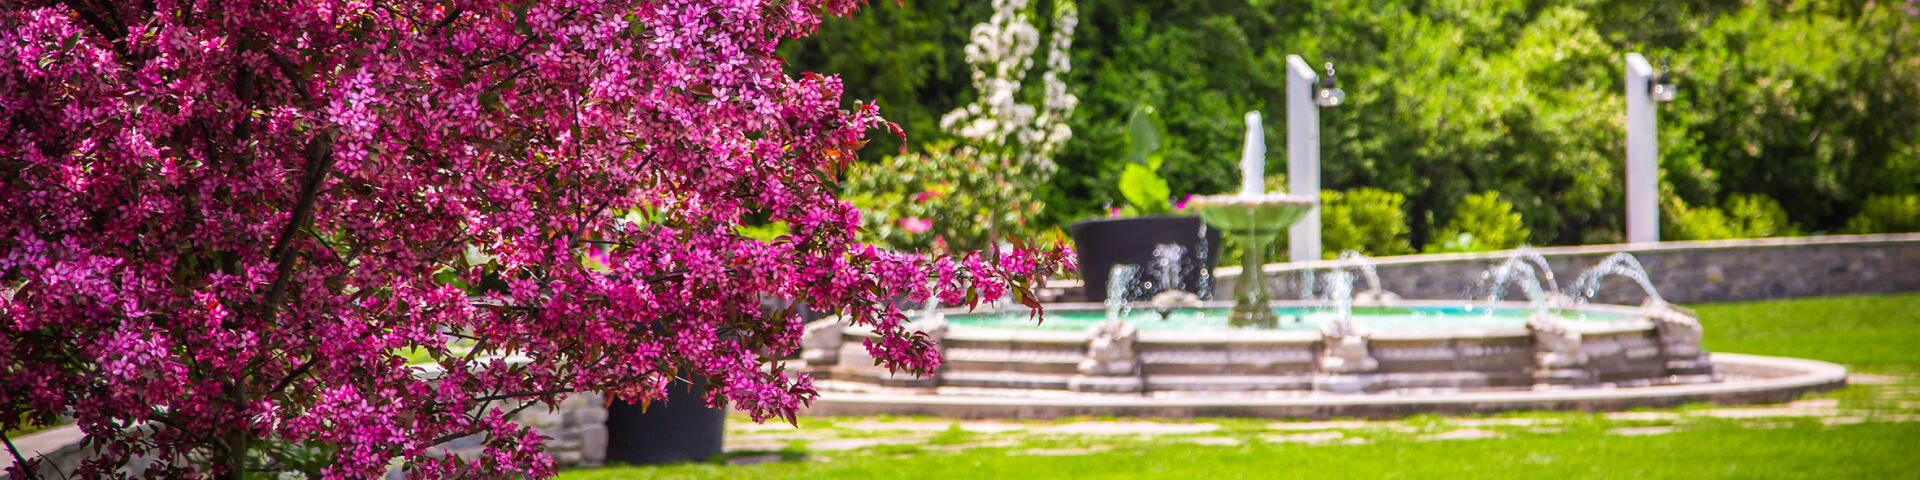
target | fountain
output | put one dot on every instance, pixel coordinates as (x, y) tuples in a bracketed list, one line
[(1338, 352), (1253, 218)]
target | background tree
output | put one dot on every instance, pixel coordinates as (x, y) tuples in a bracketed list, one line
[(1808, 103), (224, 226), (969, 195)]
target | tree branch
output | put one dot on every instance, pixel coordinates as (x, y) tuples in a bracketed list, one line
[(292, 72), (17, 458), (116, 34), (540, 393), (295, 375), (319, 155)]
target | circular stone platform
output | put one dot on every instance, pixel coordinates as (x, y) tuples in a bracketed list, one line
[(1745, 379)]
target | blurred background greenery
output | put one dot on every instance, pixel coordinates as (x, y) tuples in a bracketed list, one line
[(1469, 124)]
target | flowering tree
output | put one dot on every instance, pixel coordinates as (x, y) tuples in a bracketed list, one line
[(224, 227)]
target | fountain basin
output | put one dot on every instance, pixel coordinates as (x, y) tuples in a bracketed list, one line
[(1401, 316), (1749, 379), (1253, 220), (1618, 346), (1266, 214)]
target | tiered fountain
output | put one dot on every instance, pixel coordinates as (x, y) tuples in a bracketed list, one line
[(1342, 353), (1254, 218)]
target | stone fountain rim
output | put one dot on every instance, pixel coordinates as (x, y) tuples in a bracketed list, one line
[(1797, 376), (1635, 321)]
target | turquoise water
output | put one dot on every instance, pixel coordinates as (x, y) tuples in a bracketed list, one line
[(1295, 318)]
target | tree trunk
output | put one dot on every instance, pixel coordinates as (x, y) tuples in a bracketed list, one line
[(230, 454)]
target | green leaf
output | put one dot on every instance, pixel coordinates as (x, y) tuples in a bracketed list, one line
[(1144, 189), (1146, 136)]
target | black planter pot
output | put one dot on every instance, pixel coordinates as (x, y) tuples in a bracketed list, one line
[(681, 429), (1105, 242)]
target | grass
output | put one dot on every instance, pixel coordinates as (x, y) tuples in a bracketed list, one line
[(1876, 334), (1872, 450)]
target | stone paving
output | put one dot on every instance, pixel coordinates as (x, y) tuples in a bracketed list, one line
[(822, 438)]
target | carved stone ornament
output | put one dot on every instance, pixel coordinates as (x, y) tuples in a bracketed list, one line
[(1345, 347), (1678, 327), (820, 343), (1110, 349), (1556, 342)]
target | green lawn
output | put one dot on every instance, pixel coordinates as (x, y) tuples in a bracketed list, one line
[(1872, 450), (1874, 334)]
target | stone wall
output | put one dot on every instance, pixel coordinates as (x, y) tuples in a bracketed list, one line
[(578, 432), (1683, 272), (60, 451)]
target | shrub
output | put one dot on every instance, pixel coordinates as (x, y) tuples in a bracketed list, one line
[(1759, 216), (950, 198), (1482, 222), (1368, 220), (1746, 216), (1887, 214)]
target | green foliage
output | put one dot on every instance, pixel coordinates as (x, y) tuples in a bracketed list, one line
[(1758, 216), (1746, 216), (1144, 189), (765, 232), (1482, 222), (1367, 220), (909, 60), (1808, 103), (1140, 181), (1146, 135), (1459, 243), (1887, 214), (962, 198)]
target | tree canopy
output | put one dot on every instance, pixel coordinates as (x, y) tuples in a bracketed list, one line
[(227, 228), (1810, 103)]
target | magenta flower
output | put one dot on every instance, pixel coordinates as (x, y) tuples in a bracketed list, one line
[(361, 225), (916, 224)]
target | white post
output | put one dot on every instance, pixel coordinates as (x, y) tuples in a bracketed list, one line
[(1643, 155), (1303, 157)]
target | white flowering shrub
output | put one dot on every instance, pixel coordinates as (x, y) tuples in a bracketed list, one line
[(1001, 54), (963, 196)]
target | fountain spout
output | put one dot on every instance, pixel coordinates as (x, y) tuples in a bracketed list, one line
[(1118, 285), (1622, 264), (1253, 158)]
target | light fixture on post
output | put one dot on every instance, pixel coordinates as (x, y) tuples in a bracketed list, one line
[(1329, 95), (1662, 89)]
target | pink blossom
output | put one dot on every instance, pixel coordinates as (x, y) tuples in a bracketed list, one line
[(248, 222), (916, 224)]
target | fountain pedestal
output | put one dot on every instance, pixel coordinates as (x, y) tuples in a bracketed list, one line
[(1254, 221)]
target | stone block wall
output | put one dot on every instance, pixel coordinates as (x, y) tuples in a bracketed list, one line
[(1683, 272), (578, 428)]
